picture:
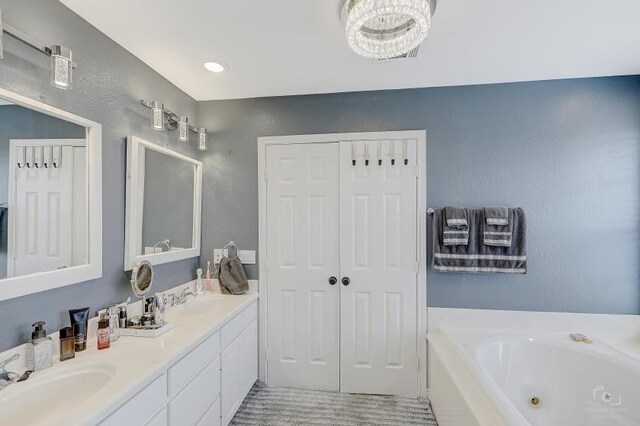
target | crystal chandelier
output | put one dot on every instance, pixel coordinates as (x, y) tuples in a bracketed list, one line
[(384, 29)]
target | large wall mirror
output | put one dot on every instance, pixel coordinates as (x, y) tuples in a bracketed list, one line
[(159, 228), (50, 197)]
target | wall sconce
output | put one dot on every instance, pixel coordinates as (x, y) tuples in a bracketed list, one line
[(61, 68), (1, 36), (202, 139), (183, 129), (164, 119), (62, 64), (157, 114)]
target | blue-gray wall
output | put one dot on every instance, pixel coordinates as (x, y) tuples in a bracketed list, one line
[(108, 85), (568, 152)]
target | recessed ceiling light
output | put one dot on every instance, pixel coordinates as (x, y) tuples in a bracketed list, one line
[(215, 66)]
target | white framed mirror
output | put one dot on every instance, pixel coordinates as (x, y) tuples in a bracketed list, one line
[(50, 197), (156, 230)]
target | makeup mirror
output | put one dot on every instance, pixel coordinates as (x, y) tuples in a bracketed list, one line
[(142, 278)]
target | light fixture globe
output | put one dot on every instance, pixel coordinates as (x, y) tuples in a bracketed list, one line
[(383, 29)]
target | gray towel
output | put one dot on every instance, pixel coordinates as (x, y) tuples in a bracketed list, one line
[(478, 257), (499, 236), (456, 216), (496, 215), (455, 236), (231, 276)]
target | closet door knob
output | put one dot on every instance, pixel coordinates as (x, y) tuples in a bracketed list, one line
[(346, 281), (333, 280)]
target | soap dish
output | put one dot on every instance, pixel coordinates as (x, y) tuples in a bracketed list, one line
[(146, 330)]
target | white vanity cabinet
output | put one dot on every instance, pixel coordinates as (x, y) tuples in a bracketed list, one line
[(206, 386)]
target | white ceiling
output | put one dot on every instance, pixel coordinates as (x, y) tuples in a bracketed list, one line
[(292, 47)]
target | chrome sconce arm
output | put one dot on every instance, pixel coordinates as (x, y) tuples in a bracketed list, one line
[(62, 64)]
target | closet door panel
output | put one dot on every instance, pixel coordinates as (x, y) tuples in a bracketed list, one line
[(378, 248), (302, 254)]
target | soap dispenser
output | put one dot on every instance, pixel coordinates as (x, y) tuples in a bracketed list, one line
[(39, 351)]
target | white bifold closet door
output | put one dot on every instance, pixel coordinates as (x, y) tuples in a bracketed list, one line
[(342, 266), (302, 254), (378, 254)]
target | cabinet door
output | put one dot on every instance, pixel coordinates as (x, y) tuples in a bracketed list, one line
[(239, 371)]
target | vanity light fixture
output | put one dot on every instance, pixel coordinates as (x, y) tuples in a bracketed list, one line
[(165, 119), (62, 64), (202, 139), (1, 36), (215, 66), (61, 67), (157, 114), (183, 129)]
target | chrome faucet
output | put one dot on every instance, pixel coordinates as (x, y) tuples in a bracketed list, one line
[(182, 298), (8, 377)]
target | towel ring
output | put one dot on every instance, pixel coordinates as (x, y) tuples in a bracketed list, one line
[(166, 243), (231, 245)]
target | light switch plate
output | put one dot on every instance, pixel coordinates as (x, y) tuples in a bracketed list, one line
[(247, 257)]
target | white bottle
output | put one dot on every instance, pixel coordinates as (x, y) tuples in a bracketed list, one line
[(199, 287), (39, 351)]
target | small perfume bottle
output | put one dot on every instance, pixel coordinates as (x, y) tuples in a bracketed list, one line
[(104, 336), (67, 344)]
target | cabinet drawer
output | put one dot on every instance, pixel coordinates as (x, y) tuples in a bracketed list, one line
[(159, 419), (139, 408), (193, 401), (184, 370), (212, 416), (234, 327)]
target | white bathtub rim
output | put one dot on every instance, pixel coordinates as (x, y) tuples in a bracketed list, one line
[(479, 389), (485, 400)]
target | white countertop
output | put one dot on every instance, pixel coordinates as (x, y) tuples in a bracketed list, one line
[(134, 362)]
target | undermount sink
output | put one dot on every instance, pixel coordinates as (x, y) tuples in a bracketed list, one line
[(40, 398), (201, 305)]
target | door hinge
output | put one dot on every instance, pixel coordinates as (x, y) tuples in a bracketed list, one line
[(417, 266), (418, 365), (266, 175)]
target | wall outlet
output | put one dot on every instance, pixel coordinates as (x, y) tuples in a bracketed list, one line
[(247, 257)]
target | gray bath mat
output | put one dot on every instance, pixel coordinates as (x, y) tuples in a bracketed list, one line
[(284, 406)]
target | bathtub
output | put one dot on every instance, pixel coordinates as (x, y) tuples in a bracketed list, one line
[(490, 377)]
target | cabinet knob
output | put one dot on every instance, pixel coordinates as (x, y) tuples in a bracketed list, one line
[(333, 280), (346, 281)]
